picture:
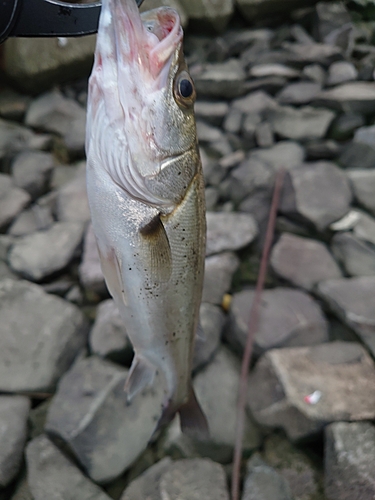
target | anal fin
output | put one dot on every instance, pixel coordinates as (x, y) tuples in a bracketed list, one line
[(192, 419), (140, 376)]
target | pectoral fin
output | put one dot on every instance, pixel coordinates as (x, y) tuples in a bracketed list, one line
[(200, 334), (193, 420), (157, 250), (140, 376)]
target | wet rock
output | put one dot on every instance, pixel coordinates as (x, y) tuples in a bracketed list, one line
[(41, 335), (72, 203), (13, 105), (211, 320), (357, 257), (288, 318), (354, 97), (91, 414), (211, 112), (193, 480), (14, 411), (108, 338), (219, 377), (349, 456), (52, 475), (12, 200), (319, 192), (90, 271), (264, 483), (300, 124), (40, 254), (221, 80), (282, 387), (38, 63), (219, 271), (284, 154), (295, 466), (31, 171), (363, 184), (202, 13), (302, 261), (352, 300), (341, 72), (229, 231), (52, 112), (299, 93), (14, 138), (147, 485)]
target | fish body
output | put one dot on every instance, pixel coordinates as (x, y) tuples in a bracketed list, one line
[(146, 194)]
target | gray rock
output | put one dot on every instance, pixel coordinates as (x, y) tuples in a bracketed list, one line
[(357, 155), (341, 72), (147, 485), (221, 80), (203, 13), (216, 387), (365, 135), (320, 53), (282, 387), (255, 102), (349, 459), (91, 414), (219, 271), (262, 70), (40, 254), (361, 224), (51, 475), (14, 138), (323, 150), (72, 202), (108, 338), (363, 184), (35, 218), (302, 261), (249, 127), (357, 257), (302, 123), (211, 320), (344, 126), (31, 171), (259, 9), (211, 112), (52, 112), (299, 93), (264, 135), (315, 73), (41, 335), (285, 154), (319, 192), (248, 177), (354, 97), (22, 491), (211, 195), (38, 63), (229, 231), (352, 300), (294, 465), (233, 121), (12, 200), (288, 318), (90, 272), (264, 483), (13, 105), (193, 480), (14, 411), (330, 16)]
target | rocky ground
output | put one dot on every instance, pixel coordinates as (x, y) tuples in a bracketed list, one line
[(299, 96)]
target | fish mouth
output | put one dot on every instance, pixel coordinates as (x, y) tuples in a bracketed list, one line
[(148, 40)]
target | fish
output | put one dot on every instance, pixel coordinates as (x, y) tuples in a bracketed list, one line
[(146, 195)]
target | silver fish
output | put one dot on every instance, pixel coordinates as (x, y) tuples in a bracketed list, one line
[(146, 195)]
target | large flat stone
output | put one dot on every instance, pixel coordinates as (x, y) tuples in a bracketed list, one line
[(343, 372), (91, 414), (287, 318), (32, 170), (40, 336), (302, 261), (14, 411), (353, 97), (229, 231), (52, 476), (349, 461), (353, 301)]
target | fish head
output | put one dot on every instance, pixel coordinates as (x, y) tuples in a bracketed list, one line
[(141, 101)]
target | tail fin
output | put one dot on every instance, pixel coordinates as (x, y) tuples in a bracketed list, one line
[(193, 420)]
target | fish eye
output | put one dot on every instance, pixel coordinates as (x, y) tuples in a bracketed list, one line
[(184, 90)]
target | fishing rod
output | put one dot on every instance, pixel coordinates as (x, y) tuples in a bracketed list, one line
[(48, 18)]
